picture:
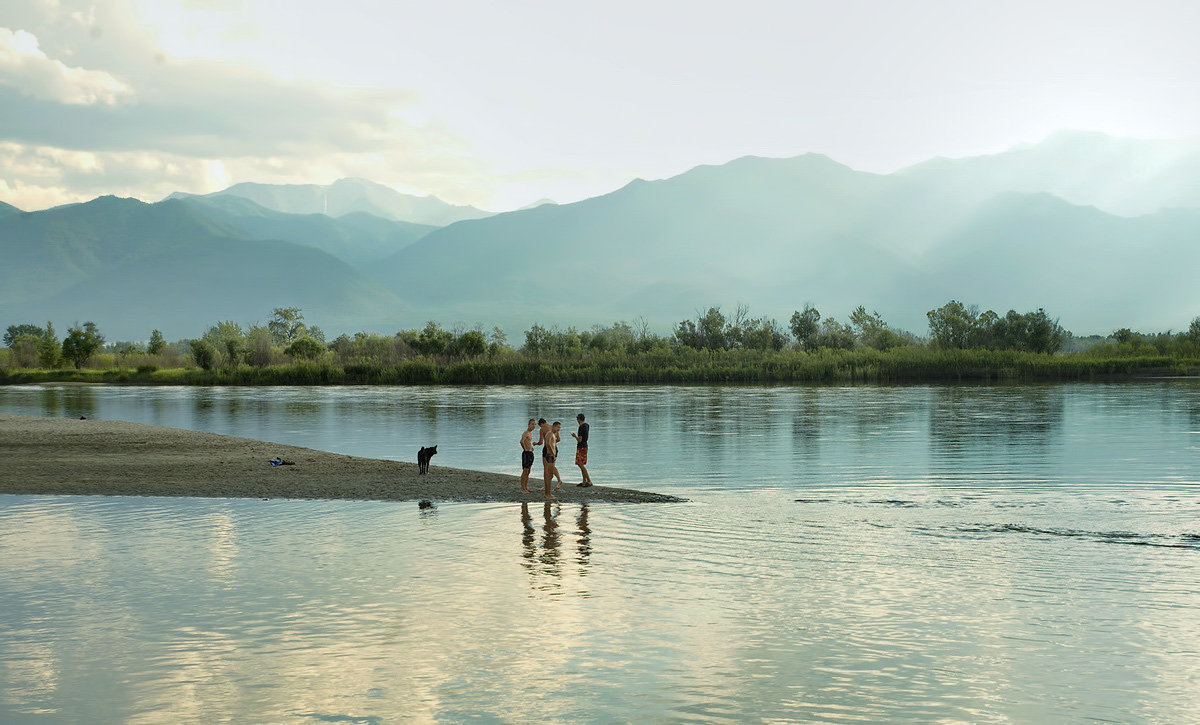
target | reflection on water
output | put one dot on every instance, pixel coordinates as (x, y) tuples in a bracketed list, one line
[(544, 558), (959, 554)]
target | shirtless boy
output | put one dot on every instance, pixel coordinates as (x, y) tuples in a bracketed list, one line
[(527, 455), (557, 430), (549, 446)]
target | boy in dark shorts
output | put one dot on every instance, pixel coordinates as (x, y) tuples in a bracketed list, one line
[(549, 443), (527, 455), (581, 450)]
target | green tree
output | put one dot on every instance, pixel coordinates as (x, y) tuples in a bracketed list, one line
[(305, 348), (25, 350), (1043, 334), (537, 340), (203, 353), (873, 332), (286, 326), (1193, 332), (952, 325), (805, 326), (81, 343), (709, 331), (834, 335), (228, 338), (713, 330), (497, 340), (1125, 335), (49, 350), (762, 334), (157, 343), (433, 340), (258, 347), (472, 343), (687, 335), (15, 331)]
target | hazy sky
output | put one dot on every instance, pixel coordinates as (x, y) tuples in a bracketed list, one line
[(499, 103)]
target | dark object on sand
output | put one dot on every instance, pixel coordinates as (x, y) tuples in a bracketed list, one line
[(425, 504), (83, 417), (423, 457), (277, 461)]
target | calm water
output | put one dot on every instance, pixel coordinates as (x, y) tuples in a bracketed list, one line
[(885, 554)]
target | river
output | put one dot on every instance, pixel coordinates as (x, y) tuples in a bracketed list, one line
[(1005, 553)]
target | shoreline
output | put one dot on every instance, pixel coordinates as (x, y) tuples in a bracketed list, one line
[(65, 456)]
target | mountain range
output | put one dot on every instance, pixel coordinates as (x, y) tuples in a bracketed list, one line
[(347, 196), (1102, 232)]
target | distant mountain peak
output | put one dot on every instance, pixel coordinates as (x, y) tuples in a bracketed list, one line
[(348, 195)]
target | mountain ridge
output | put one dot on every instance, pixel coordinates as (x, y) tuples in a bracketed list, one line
[(349, 195), (775, 234)]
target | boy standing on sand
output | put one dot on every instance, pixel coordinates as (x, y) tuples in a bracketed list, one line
[(549, 453), (581, 450), (527, 455), (556, 429)]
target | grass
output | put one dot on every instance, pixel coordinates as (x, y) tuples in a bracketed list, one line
[(682, 365)]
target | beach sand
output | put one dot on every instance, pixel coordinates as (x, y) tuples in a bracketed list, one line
[(104, 457)]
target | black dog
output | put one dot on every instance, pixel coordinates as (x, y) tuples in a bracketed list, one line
[(423, 457)]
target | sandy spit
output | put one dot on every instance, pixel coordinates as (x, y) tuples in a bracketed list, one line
[(105, 457)]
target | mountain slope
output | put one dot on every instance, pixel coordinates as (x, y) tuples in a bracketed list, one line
[(358, 238), (1097, 270), (779, 233), (347, 196), (126, 264), (771, 233), (49, 251), (1128, 177)]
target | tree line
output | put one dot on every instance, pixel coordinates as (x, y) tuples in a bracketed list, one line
[(286, 339)]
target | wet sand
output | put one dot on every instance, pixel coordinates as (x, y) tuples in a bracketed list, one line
[(103, 457)]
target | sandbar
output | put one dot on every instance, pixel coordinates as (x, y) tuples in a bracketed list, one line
[(119, 458)]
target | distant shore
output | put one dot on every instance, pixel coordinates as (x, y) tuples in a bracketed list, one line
[(103, 457), (902, 365)]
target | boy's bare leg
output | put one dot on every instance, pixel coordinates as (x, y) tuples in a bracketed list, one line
[(549, 476)]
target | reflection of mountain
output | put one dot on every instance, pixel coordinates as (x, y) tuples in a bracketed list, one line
[(1033, 227)]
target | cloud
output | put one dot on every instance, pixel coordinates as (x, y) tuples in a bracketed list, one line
[(24, 67), (92, 105)]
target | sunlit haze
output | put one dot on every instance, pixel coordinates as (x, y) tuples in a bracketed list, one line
[(501, 104)]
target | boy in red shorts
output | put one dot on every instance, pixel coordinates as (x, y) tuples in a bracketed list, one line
[(581, 449)]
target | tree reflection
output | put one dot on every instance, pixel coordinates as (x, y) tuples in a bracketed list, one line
[(969, 420)]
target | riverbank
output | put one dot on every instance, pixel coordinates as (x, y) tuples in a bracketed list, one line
[(898, 365), (103, 457)]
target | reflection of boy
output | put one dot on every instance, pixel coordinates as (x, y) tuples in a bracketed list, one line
[(527, 454)]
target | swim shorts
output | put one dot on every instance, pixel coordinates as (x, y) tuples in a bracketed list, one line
[(548, 457), (526, 459), (581, 456)]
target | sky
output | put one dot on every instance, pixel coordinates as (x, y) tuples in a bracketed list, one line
[(502, 103)]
